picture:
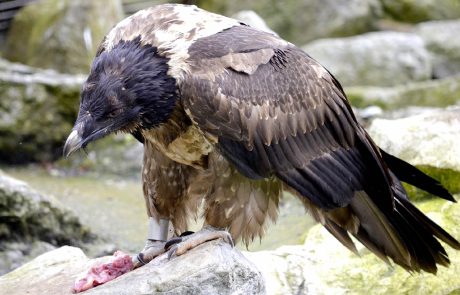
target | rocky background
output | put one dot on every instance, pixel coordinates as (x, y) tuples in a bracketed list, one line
[(399, 62)]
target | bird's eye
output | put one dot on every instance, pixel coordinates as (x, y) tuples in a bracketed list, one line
[(112, 113)]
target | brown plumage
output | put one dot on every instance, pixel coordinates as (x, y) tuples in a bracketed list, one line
[(232, 117)]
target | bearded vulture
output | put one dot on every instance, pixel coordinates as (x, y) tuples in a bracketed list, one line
[(232, 117)]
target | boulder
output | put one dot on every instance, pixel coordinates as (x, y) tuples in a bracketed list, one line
[(32, 223), (441, 40), (421, 10), (211, 268), (377, 59), (61, 34), (13, 254), (431, 93), (37, 110), (430, 141), (323, 266)]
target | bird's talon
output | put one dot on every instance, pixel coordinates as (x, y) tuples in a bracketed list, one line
[(186, 233), (172, 242), (140, 258), (229, 240), (172, 251)]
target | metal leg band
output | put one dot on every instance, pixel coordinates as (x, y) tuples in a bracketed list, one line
[(158, 230)]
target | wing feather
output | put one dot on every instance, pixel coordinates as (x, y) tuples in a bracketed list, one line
[(276, 112)]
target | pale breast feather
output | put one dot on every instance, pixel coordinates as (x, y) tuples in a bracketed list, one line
[(172, 28)]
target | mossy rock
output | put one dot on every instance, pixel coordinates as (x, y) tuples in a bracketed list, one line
[(433, 93), (61, 34), (29, 215), (37, 111), (421, 10)]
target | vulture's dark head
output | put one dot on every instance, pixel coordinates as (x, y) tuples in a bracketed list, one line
[(127, 90)]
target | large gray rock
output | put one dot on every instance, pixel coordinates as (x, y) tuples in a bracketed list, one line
[(32, 223), (61, 34), (441, 39), (323, 266), (431, 139), (37, 110), (378, 59), (211, 268), (432, 93), (421, 10)]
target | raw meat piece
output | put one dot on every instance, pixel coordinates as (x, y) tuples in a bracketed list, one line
[(99, 274)]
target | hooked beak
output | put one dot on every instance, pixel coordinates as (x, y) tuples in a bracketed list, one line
[(84, 132), (73, 143)]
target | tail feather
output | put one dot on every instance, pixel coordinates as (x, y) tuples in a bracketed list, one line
[(404, 234), (376, 229), (438, 231), (390, 225), (342, 235), (407, 173)]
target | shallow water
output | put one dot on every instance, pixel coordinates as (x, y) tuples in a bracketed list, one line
[(114, 208)]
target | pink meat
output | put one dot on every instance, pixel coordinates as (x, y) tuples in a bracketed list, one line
[(99, 274)]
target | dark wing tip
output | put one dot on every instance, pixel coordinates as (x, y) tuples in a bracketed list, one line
[(413, 176)]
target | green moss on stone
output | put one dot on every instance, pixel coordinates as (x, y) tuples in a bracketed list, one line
[(367, 274), (415, 11), (433, 93), (358, 99), (437, 93)]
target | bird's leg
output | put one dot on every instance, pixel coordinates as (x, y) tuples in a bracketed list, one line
[(179, 245), (159, 231)]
